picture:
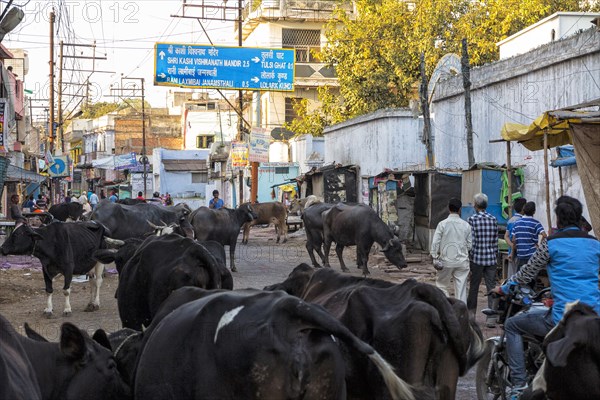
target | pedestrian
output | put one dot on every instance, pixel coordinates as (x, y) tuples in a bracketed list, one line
[(74, 198), (484, 253), (572, 258), (30, 203), (140, 196), (41, 203), (215, 202), (168, 200), (508, 235), (526, 233), (113, 196), (102, 195), (68, 197), (15, 211), (450, 251), (84, 198), (85, 203), (94, 200)]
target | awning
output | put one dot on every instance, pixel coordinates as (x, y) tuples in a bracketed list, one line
[(14, 173), (185, 165), (556, 123)]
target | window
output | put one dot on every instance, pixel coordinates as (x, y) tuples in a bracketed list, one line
[(200, 177), (307, 42), (290, 113), (204, 142)]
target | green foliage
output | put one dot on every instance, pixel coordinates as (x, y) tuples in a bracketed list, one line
[(376, 53), (91, 111), (135, 104)]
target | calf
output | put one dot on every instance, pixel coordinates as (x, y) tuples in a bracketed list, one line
[(75, 368), (159, 266), (222, 225), (268, 213), (62, 248), (313, 227), (572, 366)]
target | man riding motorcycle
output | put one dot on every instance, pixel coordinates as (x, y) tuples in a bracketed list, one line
[(572, 259)]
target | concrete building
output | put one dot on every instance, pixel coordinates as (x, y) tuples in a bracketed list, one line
[(557, 26), (289, 24), (519, 89)]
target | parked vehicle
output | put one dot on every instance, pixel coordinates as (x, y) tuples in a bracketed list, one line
[(493, 372)]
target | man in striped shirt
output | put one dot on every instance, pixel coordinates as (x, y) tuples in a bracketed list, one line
[(484, 251), (526, 232)]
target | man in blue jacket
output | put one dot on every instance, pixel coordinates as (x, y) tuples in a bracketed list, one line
[(572, 259)]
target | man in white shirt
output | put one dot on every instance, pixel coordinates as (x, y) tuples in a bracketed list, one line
[(450, 251)]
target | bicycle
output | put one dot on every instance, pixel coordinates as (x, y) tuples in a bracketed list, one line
[(493, 373)]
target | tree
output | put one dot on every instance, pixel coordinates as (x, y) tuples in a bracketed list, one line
[(91, 111), (376, 52), (134, 103)]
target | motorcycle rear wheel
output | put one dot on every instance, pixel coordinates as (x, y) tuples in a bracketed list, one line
[(490, 383)]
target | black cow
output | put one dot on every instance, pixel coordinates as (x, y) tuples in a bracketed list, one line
[(159, 266), (428, 339), (76, 368), (313, 226), (17, 376), (67, 211), (252, 345), (572, 366), (63, 248), (129, 201), (222, 225), (349, 225), (130, 221)]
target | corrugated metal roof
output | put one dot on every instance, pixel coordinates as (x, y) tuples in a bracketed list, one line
[(185, 165)]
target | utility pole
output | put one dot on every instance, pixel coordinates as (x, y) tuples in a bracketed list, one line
[(51, 89), (133, 95), (60, 92), (223, 12), (426, 117), (466, 74)]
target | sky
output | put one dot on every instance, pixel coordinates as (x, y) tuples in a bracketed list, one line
[(125, 32)]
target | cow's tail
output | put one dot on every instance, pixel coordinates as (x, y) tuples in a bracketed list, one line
[(316, 317), (436, 298), (477, 346)]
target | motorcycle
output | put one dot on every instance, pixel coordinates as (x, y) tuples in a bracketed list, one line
[(493, 372)]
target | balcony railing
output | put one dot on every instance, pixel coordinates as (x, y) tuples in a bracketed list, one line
[(317, 10)]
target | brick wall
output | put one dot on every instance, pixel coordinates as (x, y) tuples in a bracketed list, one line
[(161, 131)]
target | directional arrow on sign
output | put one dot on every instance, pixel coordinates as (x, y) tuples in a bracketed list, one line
[(256, 59), (161, 55), (162, 75), (255, 79)]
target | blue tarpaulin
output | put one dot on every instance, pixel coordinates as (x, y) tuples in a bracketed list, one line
[(566, 157)]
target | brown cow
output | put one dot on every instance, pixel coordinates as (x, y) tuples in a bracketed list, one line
[(268, 213)]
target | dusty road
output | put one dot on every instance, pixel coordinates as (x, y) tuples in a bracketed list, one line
[(260, 263)]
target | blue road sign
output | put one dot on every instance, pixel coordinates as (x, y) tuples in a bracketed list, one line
[(217, 67)]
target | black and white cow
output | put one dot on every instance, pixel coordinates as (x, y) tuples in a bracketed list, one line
[(572, 366), (77, 367), (62, 248), (251, 344)]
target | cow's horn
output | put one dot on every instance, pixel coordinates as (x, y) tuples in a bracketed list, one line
[(114, 242), (153, 226), (389, 244), (163, 222)]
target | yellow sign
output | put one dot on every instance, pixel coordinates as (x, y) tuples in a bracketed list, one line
[(239, 154)]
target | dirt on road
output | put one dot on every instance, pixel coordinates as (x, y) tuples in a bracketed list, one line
[(260, 263)]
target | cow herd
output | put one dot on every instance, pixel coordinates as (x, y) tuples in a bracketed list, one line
[(187, 334)]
